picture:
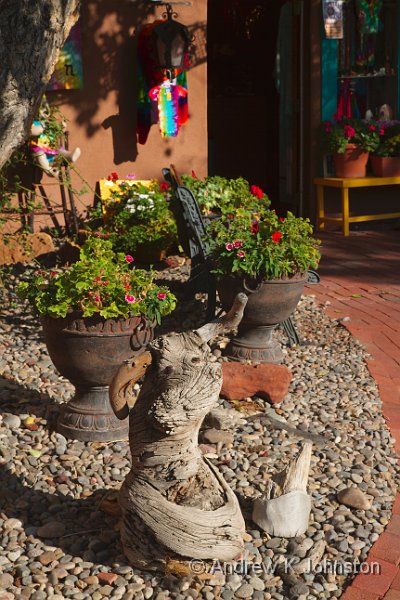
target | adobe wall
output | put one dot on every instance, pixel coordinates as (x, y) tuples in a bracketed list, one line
[(102, 116)]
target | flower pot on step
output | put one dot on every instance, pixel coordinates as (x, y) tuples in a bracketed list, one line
[(352, 162), (385, 166)]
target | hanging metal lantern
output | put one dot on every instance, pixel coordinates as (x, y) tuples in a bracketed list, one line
[(172, 42)]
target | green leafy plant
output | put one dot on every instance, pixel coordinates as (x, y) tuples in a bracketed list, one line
[(338, 134), (101, 282), (390, 147), (262, 245), (136, 213), (219, 194)]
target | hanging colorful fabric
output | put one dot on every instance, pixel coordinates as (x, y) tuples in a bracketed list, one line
[(368, 15), (167, 97)]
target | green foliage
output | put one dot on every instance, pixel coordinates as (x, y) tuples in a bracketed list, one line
[(101, 282), (263, 246), (137, 213), (338, 134), (219, 194), (390, 147)]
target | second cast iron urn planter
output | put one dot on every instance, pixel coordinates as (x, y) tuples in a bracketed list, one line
[(88, 352)]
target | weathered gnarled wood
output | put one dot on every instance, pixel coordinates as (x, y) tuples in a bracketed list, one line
[(123, 382), (285, 509), (174, 502)]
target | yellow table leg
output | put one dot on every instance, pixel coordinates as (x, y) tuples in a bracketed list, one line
[(345, 211), (320, 207)]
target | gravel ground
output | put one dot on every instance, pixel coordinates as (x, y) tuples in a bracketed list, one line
[(59, 525)]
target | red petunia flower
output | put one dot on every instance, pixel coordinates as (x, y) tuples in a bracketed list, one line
[(162, 295), (381, 131), (254, 227), (276, 237), (230, 216), (372, 127), (349, 131), (194, 174), (164, 187), (256, 191), (240, 254), (237, 243), (129, 258), (130, 299), (282, 220)]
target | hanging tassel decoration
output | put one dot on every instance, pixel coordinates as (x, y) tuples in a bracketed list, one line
[(340, 106)]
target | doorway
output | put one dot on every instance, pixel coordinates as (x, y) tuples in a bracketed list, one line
[(252, 106)]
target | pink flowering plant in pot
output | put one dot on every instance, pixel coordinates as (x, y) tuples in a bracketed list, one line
[(267, 257), (262, 245), (337, 135), (102, 282), (96, 314)]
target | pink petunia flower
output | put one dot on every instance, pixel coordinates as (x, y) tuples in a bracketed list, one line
[(229, 246), (238, 243), (130, 176), (372, 127), (161, 295), (240, 254), (130, 299), (129, 258)]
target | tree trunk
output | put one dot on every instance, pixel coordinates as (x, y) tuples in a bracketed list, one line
[(174, 502), (31, 35)]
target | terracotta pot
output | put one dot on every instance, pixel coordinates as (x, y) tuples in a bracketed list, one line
[(385, 166), (88, 351), (270, 303), (352, 163), (151, 252)]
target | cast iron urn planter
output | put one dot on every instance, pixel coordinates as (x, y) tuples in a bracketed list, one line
[(270, 302), (88, 351)]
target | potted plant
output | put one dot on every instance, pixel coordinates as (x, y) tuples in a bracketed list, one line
[(385, 162), (217, 194), (138, 219), (95, 314), (268, 258), (350, 141)]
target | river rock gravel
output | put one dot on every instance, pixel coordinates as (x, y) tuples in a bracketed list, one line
[(59, 516)]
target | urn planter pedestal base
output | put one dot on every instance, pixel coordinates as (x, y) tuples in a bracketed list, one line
[(270, 303), (89, 351)]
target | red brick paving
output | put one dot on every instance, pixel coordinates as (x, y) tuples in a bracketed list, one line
[(360, 279)]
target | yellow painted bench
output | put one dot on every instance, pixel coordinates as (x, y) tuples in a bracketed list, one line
[(344, 184)]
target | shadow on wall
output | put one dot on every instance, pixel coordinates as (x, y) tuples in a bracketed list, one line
[(109, 65)]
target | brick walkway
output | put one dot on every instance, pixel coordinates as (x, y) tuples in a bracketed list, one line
[(360, 279)]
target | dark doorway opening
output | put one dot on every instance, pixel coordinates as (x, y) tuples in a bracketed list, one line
[(243, 100)]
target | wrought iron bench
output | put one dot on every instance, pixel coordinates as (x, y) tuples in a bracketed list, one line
[(192, 232)]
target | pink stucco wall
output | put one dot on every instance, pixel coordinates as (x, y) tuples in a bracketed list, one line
[(101, 117)]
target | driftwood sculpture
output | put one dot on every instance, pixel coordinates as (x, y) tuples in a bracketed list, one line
[(174, 503), (285, 510)]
